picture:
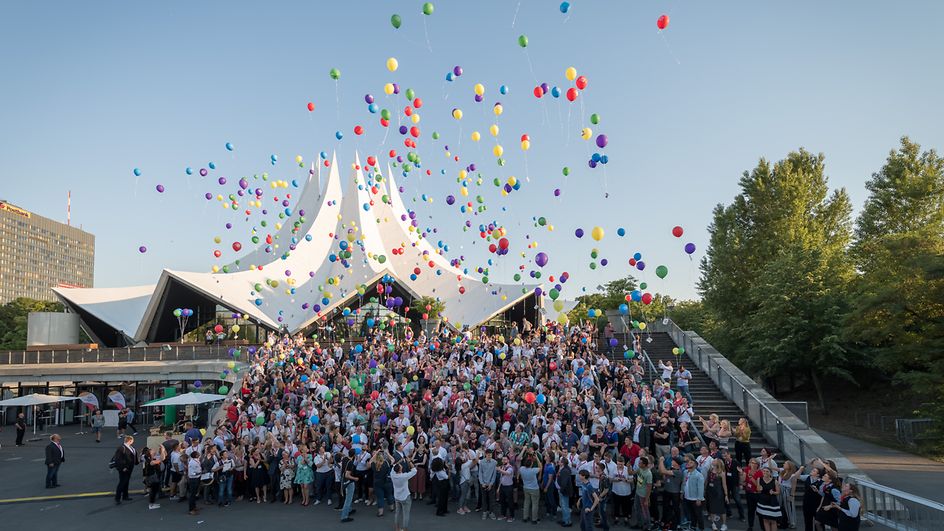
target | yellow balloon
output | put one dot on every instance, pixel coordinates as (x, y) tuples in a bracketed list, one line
[(298, 159), (493, 130), (464, 191), (570, 73), (457, 114), (586, 133), (525, 145), (216, 239), (597, 233), (479, 89), (642, 326), (216, 269), (388, 89), (411, 430), (558, 305), (512, 181), (415, 118), (498, 109), (498, 150), (392, 64), (475, 138), (235, 328)]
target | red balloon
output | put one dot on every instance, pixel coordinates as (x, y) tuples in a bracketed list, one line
[(237, 246), (529, 397), (374, 395), (581, 82), (538, 92), (677, 231), (218, 328), (311, 106), (417, 103), (415, 131), (372, 160), (217, 253), (572, 94), (647, 298), (358, 130), (663, 22), (462, 290), (492, 247), (552, 365), (525, 138), (503, 243)]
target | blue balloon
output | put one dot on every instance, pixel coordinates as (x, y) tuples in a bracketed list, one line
[(595, 157), (623, 309), (189, 170), (212, 165), (637, 256), (137, 172), (339, 135), (229, 146), (621, 231), (503, 89), (450, 76), (555, 92), (565, 7)]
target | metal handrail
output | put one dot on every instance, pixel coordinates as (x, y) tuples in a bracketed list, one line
[(652, 368)]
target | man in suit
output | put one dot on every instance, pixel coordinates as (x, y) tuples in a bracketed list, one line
[(125, 459), (55, 456)]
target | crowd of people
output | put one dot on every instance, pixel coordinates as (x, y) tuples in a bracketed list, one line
[(534, 426)]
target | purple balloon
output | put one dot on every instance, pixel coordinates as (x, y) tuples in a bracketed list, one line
[(545, 88), (160, 188), (457, 70), (142, 249), (540, 259), (689, 248), (640, 265), (243, 183), (478, 98), (602, 141), (369, 98), (221, 180), (578, 233), (203, 172), (557, 192), (450, 199)]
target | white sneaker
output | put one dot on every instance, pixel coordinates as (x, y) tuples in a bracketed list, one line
[(724, 527), (154, 506), (329, 501), (714, 526), (357, 500), (484, 516), (317, 502)]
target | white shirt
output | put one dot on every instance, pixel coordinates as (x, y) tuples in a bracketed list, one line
[(401, 484), (194, 470)]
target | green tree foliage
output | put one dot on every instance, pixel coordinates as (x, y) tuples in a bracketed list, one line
[(436, 307), (897, 316), (13, 318), (611, 295), (777, 263)]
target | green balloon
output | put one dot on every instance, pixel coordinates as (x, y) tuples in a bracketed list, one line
[(554, 294), (385, 114), (410, 94), (523, 41), (435, 135), (662, 271), (594, 118), (396, 21), (484, 280), (643, 285), (566, 171), (542, 221), (517, 277), (335, 74), (223, 389), (593, 265), (428, 8), (381, 259)]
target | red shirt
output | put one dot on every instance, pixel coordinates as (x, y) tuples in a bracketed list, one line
[(749, 485)]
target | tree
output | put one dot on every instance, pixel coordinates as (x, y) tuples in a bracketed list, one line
[(13, 320), (897, 316), (777, 260), (428, 306), (612, 295)]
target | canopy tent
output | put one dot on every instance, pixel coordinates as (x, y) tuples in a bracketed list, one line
[(185, 399), (35, 399)]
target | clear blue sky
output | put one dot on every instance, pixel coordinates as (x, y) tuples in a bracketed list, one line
[(92, 90)]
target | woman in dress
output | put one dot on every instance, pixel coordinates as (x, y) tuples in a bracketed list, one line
[(258, 476), (287, 477), (716, 494), (304, 475), (768, 501), (788, 480), (724, 434), (419, 458), (832, 488)]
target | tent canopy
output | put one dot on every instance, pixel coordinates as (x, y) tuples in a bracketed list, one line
[(35, 399), (185, 399)]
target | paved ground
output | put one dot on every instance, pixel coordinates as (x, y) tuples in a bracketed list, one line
[(25, 503), (896, 469)]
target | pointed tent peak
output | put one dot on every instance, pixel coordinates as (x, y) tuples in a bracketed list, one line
[(334, 159), (357, 158)]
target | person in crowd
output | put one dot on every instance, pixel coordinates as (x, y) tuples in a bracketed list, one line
[(717, 494), (529, 473), (349, 479), (789, 475), (643, 491), (693, 492), (151, 469), (287, 478), (742, 441), (55, 456), (194, 472), (849, 508), (20, 428), (812, 493), (750, 478), (768, 500), (564, 482), (506, 483), (400, 477), (732, 471), (670, 468)]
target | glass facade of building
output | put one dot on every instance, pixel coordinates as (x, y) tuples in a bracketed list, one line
[(37, 254)]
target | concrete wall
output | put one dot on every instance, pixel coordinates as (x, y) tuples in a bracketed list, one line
[(52, 328)]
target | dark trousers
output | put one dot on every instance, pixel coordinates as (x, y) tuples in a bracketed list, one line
[(742, 452), (52, 476), (736, 501), (193, 489), (671, 508), (153, 490), (809, 512), (121, 492), (693, 513), (324, 481), (505, 500), (751, 508), (19, 436), (442, 487)]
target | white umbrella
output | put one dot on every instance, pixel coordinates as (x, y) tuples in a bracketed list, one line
[(185, 399), (35, 399)]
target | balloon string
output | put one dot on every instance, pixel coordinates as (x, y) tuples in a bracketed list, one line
[(337, 99), (426, 32), (515, 20), (669, 48)]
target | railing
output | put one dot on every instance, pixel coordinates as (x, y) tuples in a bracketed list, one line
[(910, 431), (899, 510), (651, 371), (771, 426), (165, 353), (882, 505)]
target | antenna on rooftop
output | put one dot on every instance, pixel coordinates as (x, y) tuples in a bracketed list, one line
[(69, 208)]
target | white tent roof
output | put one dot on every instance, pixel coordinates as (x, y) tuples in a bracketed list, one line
[(185, 399), (35, 399), (119, 308), (352, 214)]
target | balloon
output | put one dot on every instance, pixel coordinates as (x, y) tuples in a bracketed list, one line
[(662, 271), (677, 231), (223, 390), (428, 8), (594, 118), (396, 21), (572, 94), (237, 246), (523, 41), (597, 233), (392, 64), (689, 248), (529, 397), (581, 82), (541, 398), (142, 249), (540, 259), (564, 7), (621, 232), (235, 328), (229, 146), (411, 430), (335, 74), (479, 89), (570, 73), (662, 22), (578, 233), (198, 384), (586, 133), (602, 141), (457, 113), (218, 328), (476, 136)]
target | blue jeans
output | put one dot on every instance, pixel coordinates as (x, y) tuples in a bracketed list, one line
[(684, 390), (225, 494), (601, 510), (324, 481), (52, 475), (348, 500), (564, 508), (550, 501), (383, 495), (586, 520)]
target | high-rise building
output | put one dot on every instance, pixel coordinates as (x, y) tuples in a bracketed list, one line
[(37, 254)]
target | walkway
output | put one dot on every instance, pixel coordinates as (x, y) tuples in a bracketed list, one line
[(897, 469)]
